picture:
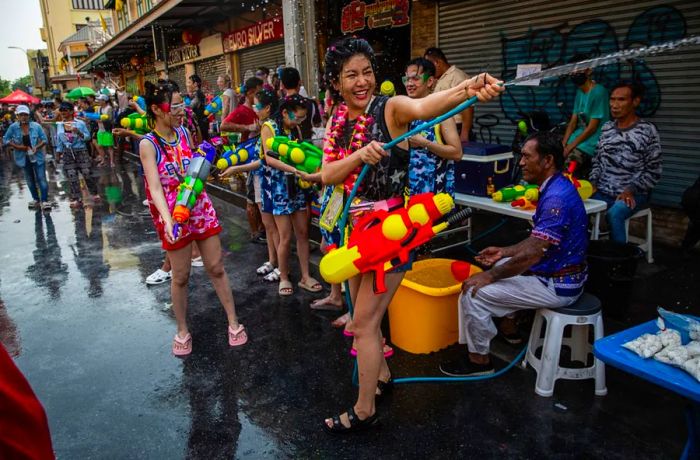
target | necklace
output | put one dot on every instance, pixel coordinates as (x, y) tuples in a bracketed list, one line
[(360, 136)]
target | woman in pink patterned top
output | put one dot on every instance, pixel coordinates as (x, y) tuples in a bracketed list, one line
[(165, 154)]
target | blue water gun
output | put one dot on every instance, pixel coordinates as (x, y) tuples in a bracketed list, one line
[(192, 184), (93, 116), (244, 153), (140, 101), (214, 106)]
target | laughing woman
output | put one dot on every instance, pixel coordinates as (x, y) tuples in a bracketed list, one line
[(356, 135), (165, 154)]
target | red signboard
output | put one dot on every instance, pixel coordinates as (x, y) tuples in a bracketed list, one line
[(381, 13), (257, 34)]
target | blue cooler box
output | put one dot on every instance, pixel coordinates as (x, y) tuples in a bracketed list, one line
[(483, 166)]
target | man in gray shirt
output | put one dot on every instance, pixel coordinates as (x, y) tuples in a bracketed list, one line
[(627, 163)]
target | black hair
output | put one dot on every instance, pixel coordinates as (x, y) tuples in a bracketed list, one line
[(196, 79), (290, 78), (339, 53), (425, 65), (549, 143), (290, 104), (65, 106), (251, 83), (268, 98), (264, 70), (293, 102), (436, 53), (635, 87), (159, 93)]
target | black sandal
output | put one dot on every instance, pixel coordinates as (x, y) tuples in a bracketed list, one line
[(384, 389), (356, 424)]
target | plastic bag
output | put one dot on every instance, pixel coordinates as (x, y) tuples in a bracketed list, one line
[(670, 338), (645, 346), (673, 355), (692, 367), (680, 322)]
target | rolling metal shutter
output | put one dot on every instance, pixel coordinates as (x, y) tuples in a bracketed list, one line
[(270, 56), (535, 31), (209, 70), (177, 75)]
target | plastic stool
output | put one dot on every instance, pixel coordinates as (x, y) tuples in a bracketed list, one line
[(586, 311), (644, 244)]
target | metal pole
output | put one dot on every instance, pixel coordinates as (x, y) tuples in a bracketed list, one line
[(164, 50)]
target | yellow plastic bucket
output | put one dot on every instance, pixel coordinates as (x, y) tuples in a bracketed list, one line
[(423, 313)]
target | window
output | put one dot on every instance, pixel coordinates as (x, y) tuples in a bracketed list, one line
[(143, 6), (88, 4), (122, 19)]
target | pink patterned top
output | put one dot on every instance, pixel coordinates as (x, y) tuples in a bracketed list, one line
[(172, 161)]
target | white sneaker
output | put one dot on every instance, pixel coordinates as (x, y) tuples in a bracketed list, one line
[(32, 204), (159, 277), (145, 202), (197, 262)]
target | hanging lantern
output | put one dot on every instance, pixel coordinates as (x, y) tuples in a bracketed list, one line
[(191, 37)]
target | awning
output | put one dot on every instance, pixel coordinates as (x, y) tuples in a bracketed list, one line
[(68, 77), (173, 15), (95, 63)]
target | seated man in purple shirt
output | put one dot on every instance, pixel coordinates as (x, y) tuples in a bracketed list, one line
[(546, 270)]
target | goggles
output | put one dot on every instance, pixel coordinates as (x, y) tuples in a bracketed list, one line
[(415, 78)]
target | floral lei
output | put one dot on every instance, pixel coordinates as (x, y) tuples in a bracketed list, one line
[(360, 136)]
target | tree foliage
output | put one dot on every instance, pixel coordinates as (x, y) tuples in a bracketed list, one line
[(5, 87), (22, 83)]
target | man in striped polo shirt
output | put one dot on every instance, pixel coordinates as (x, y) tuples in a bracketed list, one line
[(627, 164)]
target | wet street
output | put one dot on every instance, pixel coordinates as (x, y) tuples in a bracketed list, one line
[(94, 342)]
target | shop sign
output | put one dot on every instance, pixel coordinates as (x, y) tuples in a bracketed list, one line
[(184, 53), (257, 34), (381, 13)]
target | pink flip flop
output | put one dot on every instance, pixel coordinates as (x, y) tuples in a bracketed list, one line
[(238, 336), (347, 333), (182, 347)]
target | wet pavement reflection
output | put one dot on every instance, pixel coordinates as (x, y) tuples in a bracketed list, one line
[(94, 342)]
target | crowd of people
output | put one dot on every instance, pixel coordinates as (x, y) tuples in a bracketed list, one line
[(619, 152)]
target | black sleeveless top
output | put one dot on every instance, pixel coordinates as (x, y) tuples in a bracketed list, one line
[(389, 177)]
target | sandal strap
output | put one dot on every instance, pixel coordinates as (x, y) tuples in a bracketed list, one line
[(183, 341), (352, 417)]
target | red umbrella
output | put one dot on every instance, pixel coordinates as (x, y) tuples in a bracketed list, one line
[(19, 97)]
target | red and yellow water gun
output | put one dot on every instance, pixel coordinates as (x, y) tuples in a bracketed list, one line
[(529, 199), (383, 240), (583, 187)]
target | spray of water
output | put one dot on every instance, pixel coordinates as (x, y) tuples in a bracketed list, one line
[(623, 55)]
